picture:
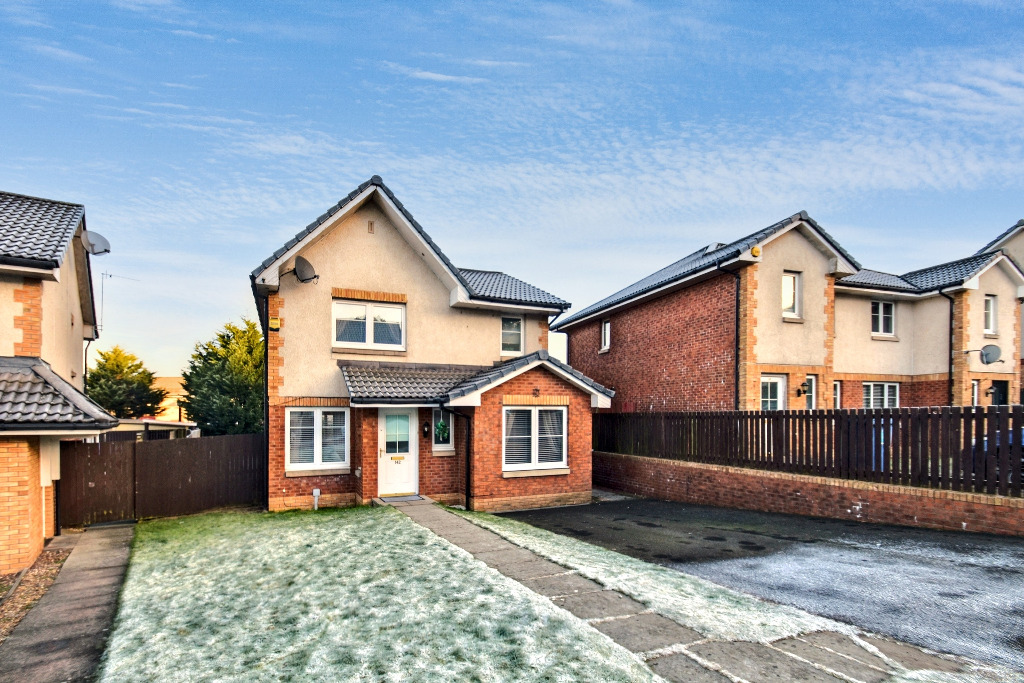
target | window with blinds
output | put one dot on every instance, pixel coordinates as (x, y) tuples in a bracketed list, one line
[(534, 438), (316, 438), (881, 395)]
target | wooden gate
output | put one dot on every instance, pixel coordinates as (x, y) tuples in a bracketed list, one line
[(115, 481)]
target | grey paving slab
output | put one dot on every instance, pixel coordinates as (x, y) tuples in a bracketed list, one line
[(836, 662), (63, 636), (65, 541), (845, 645), (531, 570), (562, 584), (483, 545), (911, 657), (497, 558), (644, 632), (760, 663), (599, 605), (682, 669)]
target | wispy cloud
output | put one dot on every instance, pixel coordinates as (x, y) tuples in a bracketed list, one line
[(193, 34), (62, 90), (55, 52), (179, 86), (424, 75), (23, 13)]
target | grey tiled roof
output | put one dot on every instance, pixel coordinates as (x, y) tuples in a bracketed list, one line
[(877, 279), (32, 396), (392, 383), (698, 261), (395, 384), (1006, 233), (37, 229), (495, 287), (489, 284)]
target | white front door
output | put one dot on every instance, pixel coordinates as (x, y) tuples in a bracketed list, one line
[(397, 452)]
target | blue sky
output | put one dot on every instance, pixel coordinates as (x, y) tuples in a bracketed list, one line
[(576, 146)]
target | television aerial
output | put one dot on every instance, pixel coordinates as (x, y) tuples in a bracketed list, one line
[(95, 243), (304, 271)]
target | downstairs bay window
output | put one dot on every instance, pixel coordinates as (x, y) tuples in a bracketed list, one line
[(534, 438), (315, 439)]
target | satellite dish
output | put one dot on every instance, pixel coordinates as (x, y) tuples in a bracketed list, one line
[(989, 354), (305, 272), (95, 243)]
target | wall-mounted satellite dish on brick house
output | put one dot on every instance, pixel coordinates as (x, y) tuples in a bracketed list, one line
[(95, 243)]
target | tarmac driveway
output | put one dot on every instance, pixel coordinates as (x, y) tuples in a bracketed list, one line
[(952, 592)]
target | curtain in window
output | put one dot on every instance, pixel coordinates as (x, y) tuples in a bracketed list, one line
[(300, 432), (332, 433), (518, 433), (550, 435)]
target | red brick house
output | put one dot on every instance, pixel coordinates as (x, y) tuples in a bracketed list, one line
[(785, 318), (46, 314), (391, 372)]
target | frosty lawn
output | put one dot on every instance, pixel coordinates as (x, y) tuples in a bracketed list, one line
[(358, 594)]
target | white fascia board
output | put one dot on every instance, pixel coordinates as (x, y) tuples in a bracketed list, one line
[(270, 276), (415, 239), (1008, 266), (841, 260), (473, 399), (51, 274), (654, 293)]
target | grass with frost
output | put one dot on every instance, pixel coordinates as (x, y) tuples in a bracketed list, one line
[(708, 608), (361, 594)]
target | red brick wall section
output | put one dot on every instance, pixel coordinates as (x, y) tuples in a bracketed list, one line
[(441, 474), (21, 504), (673, 353), (921, 394), (814, 496), (30, 322), (490, 490), (297, 492), (49, 512)]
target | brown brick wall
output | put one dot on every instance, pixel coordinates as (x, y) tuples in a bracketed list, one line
[(490, 490), (21, 503), (442, 474), (672, 353), (814, 496), (49, 512), (30, 322)]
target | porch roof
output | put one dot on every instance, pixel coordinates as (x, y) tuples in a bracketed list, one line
[(34, 397)]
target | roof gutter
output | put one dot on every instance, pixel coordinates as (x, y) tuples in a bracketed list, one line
[(41, 264)]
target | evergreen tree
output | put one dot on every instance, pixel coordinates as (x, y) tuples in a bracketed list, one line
[(224, 382), (121, 384)]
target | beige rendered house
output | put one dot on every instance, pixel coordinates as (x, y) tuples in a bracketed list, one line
[(1011, 243), (785, 318), (46, 312), (392, 372)]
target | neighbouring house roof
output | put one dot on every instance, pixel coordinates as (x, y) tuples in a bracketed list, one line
[(700, 260), (33, 397), (924, 280), (37, 231), (481, 285), (393, 383), (1006, 234)]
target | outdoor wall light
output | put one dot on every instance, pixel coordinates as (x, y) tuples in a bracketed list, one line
[(426, 429), (805, 388)]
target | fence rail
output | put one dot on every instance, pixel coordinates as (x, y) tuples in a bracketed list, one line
[(961, 449)]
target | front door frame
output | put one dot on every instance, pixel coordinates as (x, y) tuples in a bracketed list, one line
[(413, 455)]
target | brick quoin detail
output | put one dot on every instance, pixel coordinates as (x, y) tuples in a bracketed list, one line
[(30, 322), (673, 353), (21, 504), (796, 494)]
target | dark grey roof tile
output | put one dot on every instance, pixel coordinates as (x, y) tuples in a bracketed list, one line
[(32, 396), (949, 274), (489, 284), (876, 279), (37, 229)]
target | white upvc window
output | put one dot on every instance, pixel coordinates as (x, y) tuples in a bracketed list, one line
[(606, 335), (837, 395), (315, 438), (991, 314), (367, 325), (511, 335), (534, 438), (975, 391), (773, 392), (791, 294), (881, 395), (811, 397), (883, 318), (443, 439)]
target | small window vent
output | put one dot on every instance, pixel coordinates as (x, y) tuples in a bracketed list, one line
[(369, 227)]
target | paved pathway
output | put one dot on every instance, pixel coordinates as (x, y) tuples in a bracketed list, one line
[(673, 651), (62, 637)]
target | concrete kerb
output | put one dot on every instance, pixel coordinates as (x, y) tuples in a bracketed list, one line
[(822, 656), (63, 636)]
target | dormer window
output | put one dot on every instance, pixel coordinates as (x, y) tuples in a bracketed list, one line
[(365, 325)]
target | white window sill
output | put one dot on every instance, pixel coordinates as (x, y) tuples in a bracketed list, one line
[(343, 350), (991, 335), (604, 350), (549, 472), (439, 452), (885, 337), (793, 319), (317, 473)]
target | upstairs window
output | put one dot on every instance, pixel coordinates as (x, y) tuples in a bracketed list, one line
[(534, 438), (606, 335), (991, 316), (511, 336), (359, 324), (790, 294), (883, 318), (316, 438)]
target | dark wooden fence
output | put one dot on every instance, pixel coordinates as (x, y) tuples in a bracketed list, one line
[(124, 480), (962, 449)]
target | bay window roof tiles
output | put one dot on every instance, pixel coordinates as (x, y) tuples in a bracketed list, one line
[(33, 397)]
